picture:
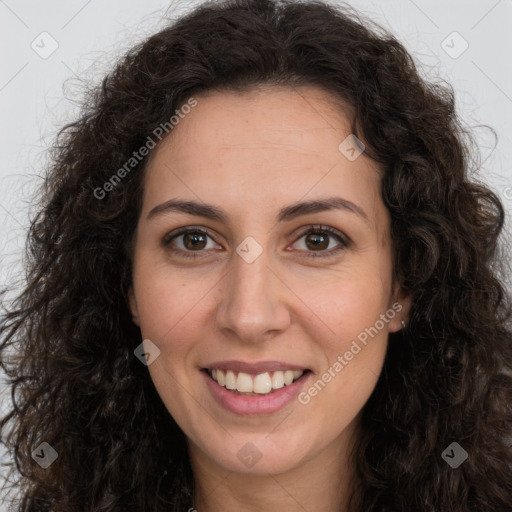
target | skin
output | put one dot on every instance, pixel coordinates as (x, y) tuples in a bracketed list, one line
[(251, 154)]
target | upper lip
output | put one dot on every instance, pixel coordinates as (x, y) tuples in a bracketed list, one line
[(254, 368)]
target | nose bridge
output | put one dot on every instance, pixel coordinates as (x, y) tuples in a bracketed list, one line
[(252, 300)]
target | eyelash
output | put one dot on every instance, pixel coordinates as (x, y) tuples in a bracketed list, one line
[(343, 240)]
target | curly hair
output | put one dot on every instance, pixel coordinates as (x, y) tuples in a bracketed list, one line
[(75, 382)]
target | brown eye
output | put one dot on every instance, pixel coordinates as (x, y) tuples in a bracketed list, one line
[(188, 241), (194, 241), (322, 240), (317, 241)]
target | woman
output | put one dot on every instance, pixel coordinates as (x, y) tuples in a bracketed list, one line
[(262, 279)]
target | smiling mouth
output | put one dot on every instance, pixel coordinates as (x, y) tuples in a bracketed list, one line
[(241, 383)]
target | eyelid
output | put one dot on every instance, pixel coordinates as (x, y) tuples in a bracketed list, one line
[(186, 229), (323, 228)]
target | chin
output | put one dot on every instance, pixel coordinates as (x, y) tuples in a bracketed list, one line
[(257, 455)]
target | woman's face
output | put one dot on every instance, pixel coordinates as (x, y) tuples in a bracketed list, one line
[(262, 289)]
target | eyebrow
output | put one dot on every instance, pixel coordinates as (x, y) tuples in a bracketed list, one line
[(287, 213)]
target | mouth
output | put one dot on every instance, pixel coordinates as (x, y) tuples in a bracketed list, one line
[(247, 384)]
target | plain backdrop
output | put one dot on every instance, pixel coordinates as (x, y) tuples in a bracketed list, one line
[(48, 49)]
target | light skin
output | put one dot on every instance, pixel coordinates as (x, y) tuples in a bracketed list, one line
[(251, 155)]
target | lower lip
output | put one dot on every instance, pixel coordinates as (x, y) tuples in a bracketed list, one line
[(252, 405)]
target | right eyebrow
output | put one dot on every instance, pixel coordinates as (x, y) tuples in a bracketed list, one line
[(190, 208)]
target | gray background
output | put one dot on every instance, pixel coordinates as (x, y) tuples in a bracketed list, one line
[(39, 91)]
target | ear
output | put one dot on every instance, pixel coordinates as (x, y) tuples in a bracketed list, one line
[(133, 306), (401, 305)]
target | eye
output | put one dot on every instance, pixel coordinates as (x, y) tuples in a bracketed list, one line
[(190, 241), (317, 239)]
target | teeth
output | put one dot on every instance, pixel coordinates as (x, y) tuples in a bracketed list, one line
[(230, 380), (262, 383), (244, 383), (278, 380)]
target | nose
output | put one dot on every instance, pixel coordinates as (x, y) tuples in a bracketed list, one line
[(253, 305)]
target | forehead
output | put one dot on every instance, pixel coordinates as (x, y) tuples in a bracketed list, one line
[(303, 119), (275, 145)]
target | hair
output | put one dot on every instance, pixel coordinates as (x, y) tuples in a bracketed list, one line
[(75, 382)]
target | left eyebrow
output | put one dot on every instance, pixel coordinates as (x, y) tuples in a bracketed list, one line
[(287, 213), (321, 205)]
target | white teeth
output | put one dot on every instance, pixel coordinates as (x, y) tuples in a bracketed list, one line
[(262, 383), (244, 383), (278, 380), (230, 380)]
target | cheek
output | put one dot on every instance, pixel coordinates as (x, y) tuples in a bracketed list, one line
[(349, 302), (353, 350), (174, 309), (354, 344), (165, 299)]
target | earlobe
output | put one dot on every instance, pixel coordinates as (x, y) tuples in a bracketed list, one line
[(133, 307), (401, 305)]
